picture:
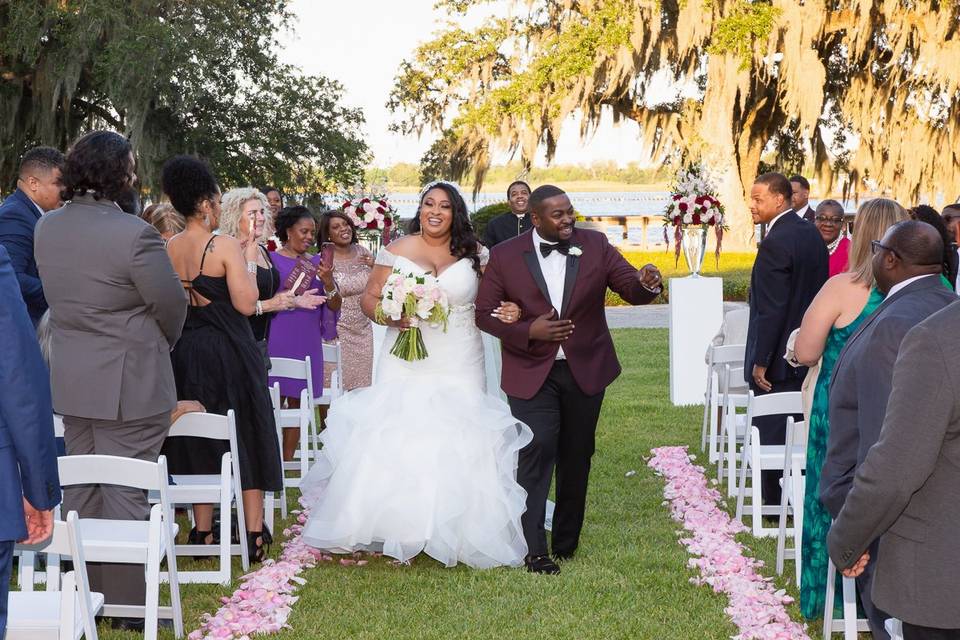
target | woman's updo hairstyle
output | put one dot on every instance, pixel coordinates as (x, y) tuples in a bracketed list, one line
[(290, 216), (187, 181), (98, 164)]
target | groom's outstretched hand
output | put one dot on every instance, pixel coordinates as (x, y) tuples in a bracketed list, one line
[(548, 329)]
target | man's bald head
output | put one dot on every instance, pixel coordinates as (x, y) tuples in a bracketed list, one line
[(918, 243), (908, 249)]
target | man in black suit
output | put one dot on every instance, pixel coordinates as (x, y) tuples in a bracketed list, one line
[(800, 200), (791, 266), (514, 222), (907, 264), (951, 218)]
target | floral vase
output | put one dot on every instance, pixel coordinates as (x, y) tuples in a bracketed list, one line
[(694, 249)]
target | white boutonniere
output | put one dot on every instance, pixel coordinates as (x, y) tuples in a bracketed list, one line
[(575, 251)]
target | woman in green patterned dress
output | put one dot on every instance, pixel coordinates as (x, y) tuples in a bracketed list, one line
[(834, 315)]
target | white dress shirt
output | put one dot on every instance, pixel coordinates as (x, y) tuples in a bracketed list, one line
[(901, 285), (554, 268)]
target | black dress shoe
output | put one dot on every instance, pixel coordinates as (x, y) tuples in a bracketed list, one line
[(562, 556), (136, 624), (541, 564)]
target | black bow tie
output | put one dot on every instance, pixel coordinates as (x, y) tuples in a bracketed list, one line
[(562, 247)]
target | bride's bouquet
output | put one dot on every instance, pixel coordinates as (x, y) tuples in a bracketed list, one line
[(418, 297)]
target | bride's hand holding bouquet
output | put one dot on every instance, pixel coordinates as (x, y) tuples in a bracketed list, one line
[(407, 299)]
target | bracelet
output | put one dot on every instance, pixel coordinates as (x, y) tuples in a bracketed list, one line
[(332, 294), (252, 266), (259, 306)]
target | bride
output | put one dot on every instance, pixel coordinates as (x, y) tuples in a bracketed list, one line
[(425, 460)]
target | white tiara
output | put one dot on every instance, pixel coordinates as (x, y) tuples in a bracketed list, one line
[(431, 185)]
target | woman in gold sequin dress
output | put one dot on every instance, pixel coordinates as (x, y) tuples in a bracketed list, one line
[(351, 268)]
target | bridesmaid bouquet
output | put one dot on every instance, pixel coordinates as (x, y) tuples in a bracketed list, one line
[(418, 297)]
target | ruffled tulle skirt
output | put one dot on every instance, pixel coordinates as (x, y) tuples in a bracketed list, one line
[(423, 466)]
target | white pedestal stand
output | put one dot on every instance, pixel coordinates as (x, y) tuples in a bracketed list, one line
[(696, 313)]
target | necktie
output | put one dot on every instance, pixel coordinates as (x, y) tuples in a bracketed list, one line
[(546, 248)]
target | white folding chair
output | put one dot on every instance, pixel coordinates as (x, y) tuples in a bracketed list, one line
[(331, 356), (131, 541), (298, 370), (756, 457), (850, 625), (67, 610), (224, 489), (792, 493), (733, 426), (300, 465), (718, 358), (270, 503), (894, 627)]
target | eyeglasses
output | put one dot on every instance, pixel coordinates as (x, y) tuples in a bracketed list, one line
[(876, 245), (829, 220)]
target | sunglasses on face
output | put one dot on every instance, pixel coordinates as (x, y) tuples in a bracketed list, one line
[(829, 220)]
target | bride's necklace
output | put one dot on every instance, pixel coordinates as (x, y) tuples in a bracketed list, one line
[(833, 245)]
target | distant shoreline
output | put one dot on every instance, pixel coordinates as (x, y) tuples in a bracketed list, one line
[(597, 186)]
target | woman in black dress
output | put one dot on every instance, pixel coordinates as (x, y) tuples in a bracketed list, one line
[(216, 361), (241, 208)]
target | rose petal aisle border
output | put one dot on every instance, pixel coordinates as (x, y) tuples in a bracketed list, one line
[(262, 603), (755, 607)]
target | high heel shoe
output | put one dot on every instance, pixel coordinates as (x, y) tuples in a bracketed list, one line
[(258, 551), (200, 537)]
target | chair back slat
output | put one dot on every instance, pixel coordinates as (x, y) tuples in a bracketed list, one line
[(776, 404), (115, 470), (331, 352), (211, 426), (728, 353), (57, 426), (290, 368)]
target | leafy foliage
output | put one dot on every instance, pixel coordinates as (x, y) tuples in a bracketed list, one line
[(864, 93), (177, 77), (483, 215)]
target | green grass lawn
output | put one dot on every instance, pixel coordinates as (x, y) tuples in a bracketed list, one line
[(734, 268), (629, 579)]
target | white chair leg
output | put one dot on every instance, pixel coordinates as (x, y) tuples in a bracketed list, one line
[(241, 526), (797, 481), (174, 581), (828, 602), (782, 527), (849, 609), (151, 611), (732, 453), (741, 489), (706, 410), (226, 531)]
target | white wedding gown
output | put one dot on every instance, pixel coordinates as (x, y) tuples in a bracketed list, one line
[(424, 460)]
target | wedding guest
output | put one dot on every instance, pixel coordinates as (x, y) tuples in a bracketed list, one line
[(514, 222), (904, 492), (165, 218), (834, 315), (29, 483), (242, 210), (217, 362), (829, 222), (906, 264), (800, 200), (116, 310), (301, 332), (790, 267), (274, 201), (926, 213), (951, 218), (352, 265), (38, 191)]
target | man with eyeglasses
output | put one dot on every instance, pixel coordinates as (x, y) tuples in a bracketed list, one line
[(829, 222), (907, 264), (951, 218)]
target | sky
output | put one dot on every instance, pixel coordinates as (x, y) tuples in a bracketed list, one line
[(361, 43)]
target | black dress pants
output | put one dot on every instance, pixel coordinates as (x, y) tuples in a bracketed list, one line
[(564, 423), (773, 430), (916, 632)]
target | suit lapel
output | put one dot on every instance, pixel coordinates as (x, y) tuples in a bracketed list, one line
[(534, 266), (569, 281)]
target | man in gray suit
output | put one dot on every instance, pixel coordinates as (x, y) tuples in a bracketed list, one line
[(905, 492), (116, 310), (906, 264)]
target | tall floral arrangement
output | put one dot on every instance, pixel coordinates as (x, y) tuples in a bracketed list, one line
[(373, 212), (693, 203)]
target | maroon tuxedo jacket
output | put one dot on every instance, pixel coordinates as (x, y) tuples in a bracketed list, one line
[(513, 274)]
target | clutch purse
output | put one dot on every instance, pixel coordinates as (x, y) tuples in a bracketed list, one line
[(301, 277)]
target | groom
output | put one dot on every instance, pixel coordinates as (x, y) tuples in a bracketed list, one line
[(558, 358)]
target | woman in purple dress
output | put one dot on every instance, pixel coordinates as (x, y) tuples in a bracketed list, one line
[(301, 332)]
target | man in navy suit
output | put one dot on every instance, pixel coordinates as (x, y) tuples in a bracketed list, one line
[(791, 265), (38, 191), (29, 484)]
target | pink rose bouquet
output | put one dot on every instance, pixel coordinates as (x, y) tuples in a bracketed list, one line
[(418, 297)]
